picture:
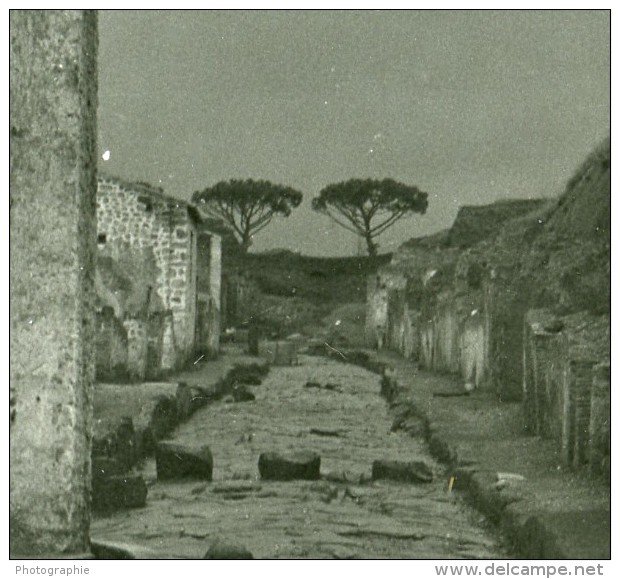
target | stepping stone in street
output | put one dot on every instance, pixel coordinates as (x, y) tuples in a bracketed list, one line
[(105, 466), (176, 461), (118, 492), (220, 551), (325, 432), (241, 394), (311, 384), (415, 471), (303, 464)]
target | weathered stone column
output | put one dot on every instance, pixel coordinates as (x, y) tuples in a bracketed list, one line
[(53, 91)]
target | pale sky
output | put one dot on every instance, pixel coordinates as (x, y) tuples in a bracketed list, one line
[(468, 106)]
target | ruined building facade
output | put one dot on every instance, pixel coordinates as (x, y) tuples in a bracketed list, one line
[(147, 261), (515, 300)]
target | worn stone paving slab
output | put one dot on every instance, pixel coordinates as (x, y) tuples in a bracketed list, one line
[(346, 517)]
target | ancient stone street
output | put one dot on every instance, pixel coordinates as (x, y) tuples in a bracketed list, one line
[(343, 515)]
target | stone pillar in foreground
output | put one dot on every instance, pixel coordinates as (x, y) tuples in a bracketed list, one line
[(53, 90)]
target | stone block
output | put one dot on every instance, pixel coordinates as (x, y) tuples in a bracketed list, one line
[(159, 416), (176, 461), (241, 393), (415, 471), (199, 398), (253, 341), (266, 350), (278, 353), (221, 550), (303, 465), (183, 399), (241, 336), (124, 447), (106, 466), (286, 354), (118, 492)]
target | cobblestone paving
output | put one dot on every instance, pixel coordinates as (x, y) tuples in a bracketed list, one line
[(344, 515)]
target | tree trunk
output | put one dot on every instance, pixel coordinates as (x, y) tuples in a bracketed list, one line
[(246, 241), (372, 246)]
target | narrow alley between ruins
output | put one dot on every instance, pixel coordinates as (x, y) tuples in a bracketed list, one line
[(323, 406)]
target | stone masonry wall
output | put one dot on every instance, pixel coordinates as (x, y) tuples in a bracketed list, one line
[(126, 220), (111, 346), (455, 339), (137, 347), (209, 303), (53, 101), (522, 310), (566, 389), (138, 220)]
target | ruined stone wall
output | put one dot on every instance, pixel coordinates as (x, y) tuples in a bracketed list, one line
[(566, 386), (209, 312), (156, 324), (183, 282), (473, 306), (382, 328), (128, 222), (169, 344), (403, 323), (600, 420), (137, 347), (53, 101), (440, 338), (454, 339), (111, 346), (429, 306), (473, 362), (155, 238), (237, 291), (376, 312)]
